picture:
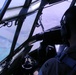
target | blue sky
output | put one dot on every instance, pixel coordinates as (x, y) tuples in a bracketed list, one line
[(13, 3)]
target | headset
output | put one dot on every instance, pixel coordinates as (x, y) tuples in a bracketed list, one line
[(65, 33), (66, 20)]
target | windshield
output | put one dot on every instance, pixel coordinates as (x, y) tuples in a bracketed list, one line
[(26, 28), (49, 19), (28, 23), (1, 3), (6, 37), (7, 32)]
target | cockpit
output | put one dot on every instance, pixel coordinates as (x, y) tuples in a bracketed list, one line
[(27, 31)]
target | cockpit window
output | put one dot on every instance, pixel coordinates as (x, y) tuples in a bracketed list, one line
[(28, 23), (1, 3), (5, 45), (7, 32), (6, 38), (16, 6), (15, 3), (52, 18)]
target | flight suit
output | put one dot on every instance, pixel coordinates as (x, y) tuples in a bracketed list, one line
[(55, 67)]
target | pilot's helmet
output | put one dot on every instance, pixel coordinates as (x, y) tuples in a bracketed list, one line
[(68, 22)]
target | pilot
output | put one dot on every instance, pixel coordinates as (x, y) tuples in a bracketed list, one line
[(66, 63)]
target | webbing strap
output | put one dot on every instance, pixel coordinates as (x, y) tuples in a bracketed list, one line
[(70, 62)]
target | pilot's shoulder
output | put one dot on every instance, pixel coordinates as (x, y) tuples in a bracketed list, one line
[(51, 62)]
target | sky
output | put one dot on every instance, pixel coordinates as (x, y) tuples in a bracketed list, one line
[(13, 3)]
